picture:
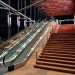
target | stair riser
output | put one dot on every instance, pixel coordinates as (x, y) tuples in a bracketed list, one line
[(53, 69), (56, 61), (59, 46), (57, 65), (58, 55), (62, 43), (65, 52), (61, 39), (69, 50), (69, 59)]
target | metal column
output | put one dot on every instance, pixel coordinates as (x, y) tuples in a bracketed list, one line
[(21, 6), (18, 22), (25, 23), (25, 6), (38, 14), (30, 11), (35, 13), (30, 23), (25, 20), (18, 18), (9, 22)]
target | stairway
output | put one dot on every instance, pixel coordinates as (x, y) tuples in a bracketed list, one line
[(59, 53)]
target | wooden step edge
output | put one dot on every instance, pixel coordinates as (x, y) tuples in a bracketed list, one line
[(56, 61), (58, 54), (72, 71), (56, 64), (58, 51), (58, 58)]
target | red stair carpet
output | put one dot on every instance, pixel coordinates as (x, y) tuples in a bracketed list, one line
[(59, 52)]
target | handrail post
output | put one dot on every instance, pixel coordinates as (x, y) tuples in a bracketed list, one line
[(36, 56)]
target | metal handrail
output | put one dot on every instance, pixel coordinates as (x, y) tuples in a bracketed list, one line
[(66, 20), (36, 52), (31, 5), (4, 59)]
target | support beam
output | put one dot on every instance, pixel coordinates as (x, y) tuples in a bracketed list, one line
[(4, 8), (67, 20), (31, 5), (13, 10)]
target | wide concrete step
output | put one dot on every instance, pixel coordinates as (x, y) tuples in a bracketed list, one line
[(61, 39), (56, 51), (58, 54), (62, 49), (56, 64), (57, 57), (56, 61), (61, 42), (50, 43), (62, 34), (58, 45), (45, 51), (55, 68), (61, 46)]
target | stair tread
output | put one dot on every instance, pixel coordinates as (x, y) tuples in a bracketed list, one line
[(55, 60), (50, 56), (59, 48), (62, 39), (54, 68), (60, 44), (58, 54), (57, 64), (58, 51), (62, 49)]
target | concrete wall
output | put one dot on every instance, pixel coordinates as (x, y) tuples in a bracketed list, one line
[(59, 7)]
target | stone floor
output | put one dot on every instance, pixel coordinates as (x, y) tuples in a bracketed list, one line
[(29, 69)]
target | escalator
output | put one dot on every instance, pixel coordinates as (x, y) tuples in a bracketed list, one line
[(22, 49)]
